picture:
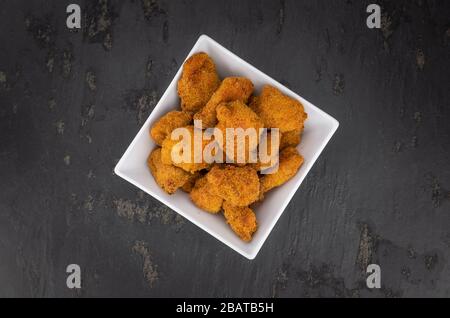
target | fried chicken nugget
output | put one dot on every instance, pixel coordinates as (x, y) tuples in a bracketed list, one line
[(167, 123), (290, 139), (168, 177), (231, 89), (290, 162), (278, 110), (241, 219), (253, 102), (238, 185), (203, 198), (189, 185), (198, 82), (238, 115), (189, 166)]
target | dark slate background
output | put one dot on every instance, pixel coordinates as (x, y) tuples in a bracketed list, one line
[(71, 102)]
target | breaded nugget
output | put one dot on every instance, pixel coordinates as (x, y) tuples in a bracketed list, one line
[(198, 82), (253, 102), (290, 139), (187, 187), (203, 198), (238, 115), (241, 219), (168, 177), (238, 185), (231, 89), (290, 162), (278, 110), (190, 166), (167, 123)]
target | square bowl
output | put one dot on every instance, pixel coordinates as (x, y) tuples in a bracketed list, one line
[(319, 128)]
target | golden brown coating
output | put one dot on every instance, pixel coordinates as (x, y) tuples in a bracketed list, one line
[(231, 89), (241, 219), (187, 187), (167, 123), (238, 115), (238, 185), (190, 165), (198, 82), (203, 198), (278, 110), (168, 177), (253, 102), (290, 162), (290, 139)]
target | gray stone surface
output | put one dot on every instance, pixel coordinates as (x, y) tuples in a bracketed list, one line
[(71, 102)]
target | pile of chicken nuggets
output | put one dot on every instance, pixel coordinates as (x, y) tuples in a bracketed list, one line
[(228, 103)]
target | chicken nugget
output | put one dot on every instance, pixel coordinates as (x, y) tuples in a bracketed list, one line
[(198, 82), (168, 177), (278, 110), (203, 198), (290, 139), (238, 185), (238, 115), (189, 185), (242, 220), (190, 164), (253, 102), (231, 89), (289, 163), (167, 123)]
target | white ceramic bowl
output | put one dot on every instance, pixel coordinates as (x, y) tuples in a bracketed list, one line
[(132, 167)]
